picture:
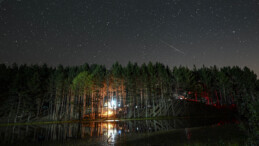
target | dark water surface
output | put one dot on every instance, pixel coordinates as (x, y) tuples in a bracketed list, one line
[(135, 132)]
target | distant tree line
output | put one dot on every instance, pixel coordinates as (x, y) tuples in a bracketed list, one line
[(63, 93)]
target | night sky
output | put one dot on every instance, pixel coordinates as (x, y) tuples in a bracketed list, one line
[(173, 32)]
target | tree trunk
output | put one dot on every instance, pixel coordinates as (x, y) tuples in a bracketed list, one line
[(224, 94), (153, 107), (18, 108)]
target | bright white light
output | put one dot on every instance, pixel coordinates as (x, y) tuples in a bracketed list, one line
[(112, 104), (111, 132)]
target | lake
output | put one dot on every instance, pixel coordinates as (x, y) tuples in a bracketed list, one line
[(180, 131)]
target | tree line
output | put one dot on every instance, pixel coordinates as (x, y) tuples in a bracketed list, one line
[(31, 92)]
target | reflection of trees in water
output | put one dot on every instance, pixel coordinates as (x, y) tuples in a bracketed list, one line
[(100, 131)]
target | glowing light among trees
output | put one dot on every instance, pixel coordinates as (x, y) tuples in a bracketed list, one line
[(108, 113), (112, 104)]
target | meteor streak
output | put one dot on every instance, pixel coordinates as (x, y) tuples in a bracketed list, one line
[(171, 46)]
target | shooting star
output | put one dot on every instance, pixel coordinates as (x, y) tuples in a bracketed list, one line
[(171, 46)]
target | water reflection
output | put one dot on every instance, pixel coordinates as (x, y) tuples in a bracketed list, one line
[(108, 132)]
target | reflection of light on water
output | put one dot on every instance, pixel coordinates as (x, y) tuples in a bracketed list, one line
[(188, 133), (111, 131), (111, 135), (110, 126)]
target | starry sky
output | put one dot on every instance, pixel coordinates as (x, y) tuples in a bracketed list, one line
[(173, 32)]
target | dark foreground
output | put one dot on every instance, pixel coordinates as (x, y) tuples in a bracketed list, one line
[(184, 131)]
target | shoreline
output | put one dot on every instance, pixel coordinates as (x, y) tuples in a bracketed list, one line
[(111, 120)]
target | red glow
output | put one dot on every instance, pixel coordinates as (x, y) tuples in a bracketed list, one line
[(220, 123), (209, 100)]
